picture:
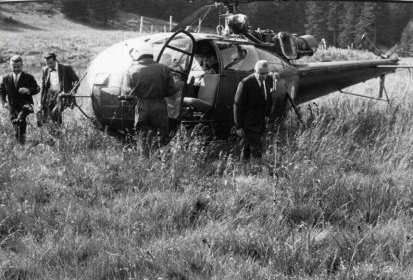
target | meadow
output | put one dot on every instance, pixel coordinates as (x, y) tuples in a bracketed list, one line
[(337, 204)]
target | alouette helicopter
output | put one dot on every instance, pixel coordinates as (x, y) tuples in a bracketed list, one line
[(208, 67)]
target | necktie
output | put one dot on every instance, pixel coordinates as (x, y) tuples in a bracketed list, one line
[(15, 80), (263, 89)]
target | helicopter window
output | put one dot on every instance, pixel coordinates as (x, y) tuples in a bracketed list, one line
[(238, 57), (177, 40), (175, 59), (177, 56), (268, 56)]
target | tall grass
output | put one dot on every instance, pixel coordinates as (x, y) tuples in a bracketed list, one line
[(82, 206), (336, 54)]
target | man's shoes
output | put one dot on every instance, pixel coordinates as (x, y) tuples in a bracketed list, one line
[(16, 121), (28, 109)]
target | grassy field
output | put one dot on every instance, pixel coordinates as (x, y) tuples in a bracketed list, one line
[(82, 206)]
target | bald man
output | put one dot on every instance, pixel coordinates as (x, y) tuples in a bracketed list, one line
[(252, 105), (18, 87)]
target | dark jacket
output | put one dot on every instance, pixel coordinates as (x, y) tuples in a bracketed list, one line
[(150, 80), (67, 78), (16, 99), (250, 106)]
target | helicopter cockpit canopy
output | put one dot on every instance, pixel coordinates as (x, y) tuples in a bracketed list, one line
[(110, 65), (107, 74)]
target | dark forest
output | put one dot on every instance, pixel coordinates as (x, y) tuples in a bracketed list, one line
[(340, 24)]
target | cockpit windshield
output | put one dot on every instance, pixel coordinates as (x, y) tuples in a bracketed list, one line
[(238, 57), (176, 59)]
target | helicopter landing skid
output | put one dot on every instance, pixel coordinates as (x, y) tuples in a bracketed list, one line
[(368, 97), (74, 103), (386, 95)]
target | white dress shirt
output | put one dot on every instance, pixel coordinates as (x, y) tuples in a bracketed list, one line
[(54, 79), (16, 78)]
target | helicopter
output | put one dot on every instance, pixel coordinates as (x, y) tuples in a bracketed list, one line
[(206, 95)]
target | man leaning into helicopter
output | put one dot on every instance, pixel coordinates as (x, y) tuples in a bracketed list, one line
[(252, 108), (149, 82)]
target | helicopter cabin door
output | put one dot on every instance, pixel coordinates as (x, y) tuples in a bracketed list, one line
[(237, 60), (177, 53)]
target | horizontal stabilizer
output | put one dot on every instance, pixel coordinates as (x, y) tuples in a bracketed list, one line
[(376, 1), (394, 66)]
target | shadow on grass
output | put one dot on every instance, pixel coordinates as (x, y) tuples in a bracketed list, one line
[(10, 24), (100, 25)]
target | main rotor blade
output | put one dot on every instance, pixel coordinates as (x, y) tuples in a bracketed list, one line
[(193, 18), (19, 1)]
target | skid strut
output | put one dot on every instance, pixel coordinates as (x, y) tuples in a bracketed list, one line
[(382, 90)]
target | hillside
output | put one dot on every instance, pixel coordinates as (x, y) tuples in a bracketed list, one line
[(27, 29), (334, 202)]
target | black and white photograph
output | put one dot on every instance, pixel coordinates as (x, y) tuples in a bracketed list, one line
[(206, 139)]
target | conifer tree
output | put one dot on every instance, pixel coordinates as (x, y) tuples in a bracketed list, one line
[(366, 23), (347, 24), (398, 17), (76, 9), (289, 17), (333, 23), (407, 40), (316, 22), (105, 10)]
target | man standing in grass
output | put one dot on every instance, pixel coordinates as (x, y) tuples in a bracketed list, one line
[(149, 82), (57, 78), (18, 87), (252, 107)]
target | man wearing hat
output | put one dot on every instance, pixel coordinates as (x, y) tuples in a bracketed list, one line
[(57, 78), (18, 87), (149, 82)]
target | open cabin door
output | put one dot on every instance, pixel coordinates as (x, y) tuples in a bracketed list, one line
[(178, 53)]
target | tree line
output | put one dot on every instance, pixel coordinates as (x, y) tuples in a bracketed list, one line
[(340, 24)]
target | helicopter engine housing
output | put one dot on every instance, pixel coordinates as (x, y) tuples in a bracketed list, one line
[(306, 45), (293, 47), (238, 23)]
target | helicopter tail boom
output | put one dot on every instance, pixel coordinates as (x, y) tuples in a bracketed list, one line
[(319, 79)]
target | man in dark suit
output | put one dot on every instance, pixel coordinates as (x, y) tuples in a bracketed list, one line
[(57, 78), (252, 107), (18, 87)]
